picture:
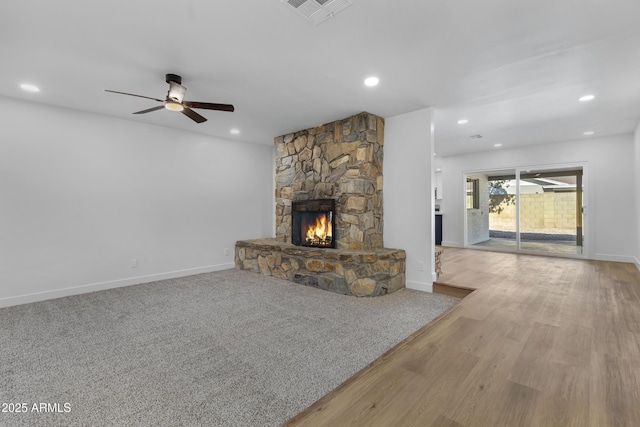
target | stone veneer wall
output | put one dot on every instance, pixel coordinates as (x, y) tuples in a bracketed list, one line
[(341, 160)]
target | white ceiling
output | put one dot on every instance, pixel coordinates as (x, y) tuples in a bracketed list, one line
[(513, 68)]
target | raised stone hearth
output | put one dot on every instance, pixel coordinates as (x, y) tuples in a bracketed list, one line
[(351, 272)]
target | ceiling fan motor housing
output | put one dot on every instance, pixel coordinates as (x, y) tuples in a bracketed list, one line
[(173, 78)]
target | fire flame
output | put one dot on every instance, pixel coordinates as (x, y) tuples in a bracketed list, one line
[(320, 231)]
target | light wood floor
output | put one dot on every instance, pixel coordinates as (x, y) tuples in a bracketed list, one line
[(542, 342)]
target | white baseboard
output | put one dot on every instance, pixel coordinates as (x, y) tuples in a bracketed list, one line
[(616, 258), (101, 286), (424, 287), (452, 244)]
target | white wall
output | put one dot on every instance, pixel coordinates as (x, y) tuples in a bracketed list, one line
[(610, 198), (636, 192), (81, 195), (408, 193)]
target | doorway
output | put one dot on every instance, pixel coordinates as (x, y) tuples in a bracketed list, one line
[(537, 210)]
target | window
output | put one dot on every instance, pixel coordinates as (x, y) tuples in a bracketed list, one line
[(473, 193)]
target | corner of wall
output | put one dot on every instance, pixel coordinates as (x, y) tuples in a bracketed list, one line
[(636, 139), (417, 286), (408, 178)]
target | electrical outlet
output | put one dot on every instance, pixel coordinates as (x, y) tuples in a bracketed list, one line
[(134, 263), (421, 266), (226, 251)]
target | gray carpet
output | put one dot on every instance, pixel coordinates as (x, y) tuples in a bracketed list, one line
[(229, 348)]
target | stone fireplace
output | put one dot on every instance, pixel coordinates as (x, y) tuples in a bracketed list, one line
[(329, 178)]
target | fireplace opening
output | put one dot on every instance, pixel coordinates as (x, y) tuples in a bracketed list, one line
[(312, 223)]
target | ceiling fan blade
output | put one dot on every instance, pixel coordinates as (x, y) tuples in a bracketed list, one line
[(209, 106), (148, 110), (131, 94), (193, 115)]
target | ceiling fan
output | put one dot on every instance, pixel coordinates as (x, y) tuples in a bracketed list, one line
[(175, 101)]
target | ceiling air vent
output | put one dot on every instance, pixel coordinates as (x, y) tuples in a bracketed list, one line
[(476, 136), (317, 11)]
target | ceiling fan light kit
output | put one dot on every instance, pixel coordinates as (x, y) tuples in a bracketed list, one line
[(175, 101), (173, 106)]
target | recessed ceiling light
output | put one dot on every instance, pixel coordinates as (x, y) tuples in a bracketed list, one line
[(235, 131), (586, 98), (463, 121), (497, 145), (438, 169), (371, 81), (588, 133), (29, 87)]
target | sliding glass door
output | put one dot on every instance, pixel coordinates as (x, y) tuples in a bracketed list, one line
[(551, 211), (528, 210)]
